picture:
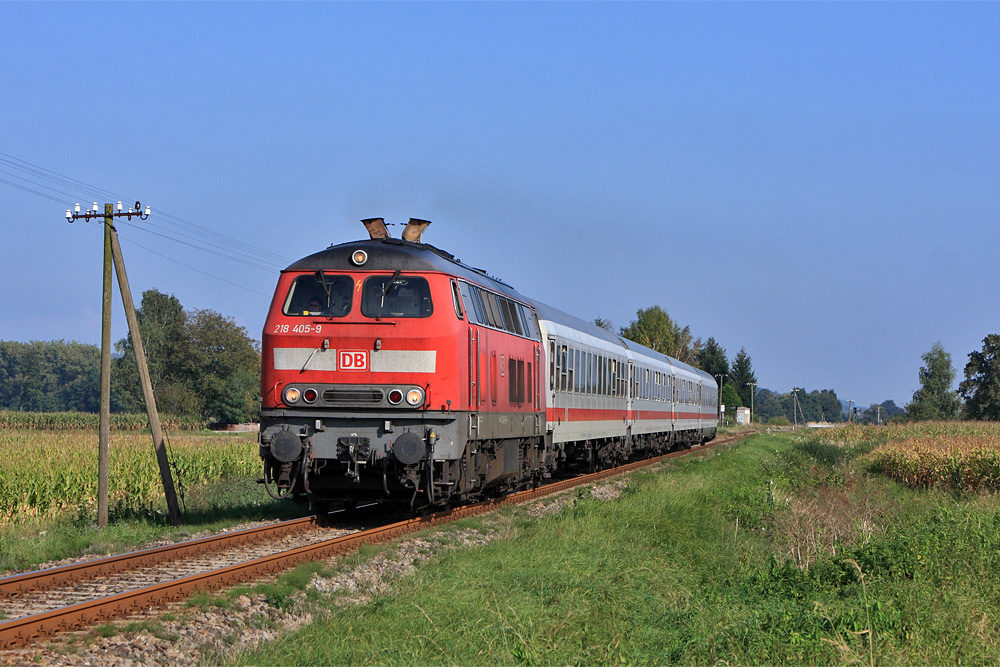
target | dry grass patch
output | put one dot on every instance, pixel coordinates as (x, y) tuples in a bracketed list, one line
[(829, 519)]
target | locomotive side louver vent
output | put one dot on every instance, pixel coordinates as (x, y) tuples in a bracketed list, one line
[(353, 396)]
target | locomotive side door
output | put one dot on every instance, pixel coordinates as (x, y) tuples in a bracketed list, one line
[(537, 376), (629, 396), (474, 368)]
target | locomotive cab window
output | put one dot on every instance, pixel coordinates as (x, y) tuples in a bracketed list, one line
[(457, 298), (396, 296), (319, 294)]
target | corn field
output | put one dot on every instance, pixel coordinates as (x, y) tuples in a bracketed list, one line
[(60, 421), (45, 473), (963, 456)]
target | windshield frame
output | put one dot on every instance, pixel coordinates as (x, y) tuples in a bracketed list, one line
[(335, 293), (416, 303)]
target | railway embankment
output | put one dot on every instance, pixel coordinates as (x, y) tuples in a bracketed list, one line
[(787, 548)]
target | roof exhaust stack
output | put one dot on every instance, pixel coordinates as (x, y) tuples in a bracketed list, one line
[(376, 228), (414, 228)]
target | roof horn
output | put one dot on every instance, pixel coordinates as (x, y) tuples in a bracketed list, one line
[(376, 228), (414, 228)]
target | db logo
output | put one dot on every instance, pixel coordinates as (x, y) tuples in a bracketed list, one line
[(353, 360)]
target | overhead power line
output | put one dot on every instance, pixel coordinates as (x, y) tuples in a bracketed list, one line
[(194, 268), (43, 182), (34, 192)]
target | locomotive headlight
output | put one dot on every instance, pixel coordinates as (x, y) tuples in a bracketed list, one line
[(359, 257), (291, 395), (309, 395), (415, 397), (395, 396)]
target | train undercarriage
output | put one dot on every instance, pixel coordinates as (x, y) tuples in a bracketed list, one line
[(425, 464)]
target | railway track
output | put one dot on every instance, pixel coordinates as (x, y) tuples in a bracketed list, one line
[(39, 604)]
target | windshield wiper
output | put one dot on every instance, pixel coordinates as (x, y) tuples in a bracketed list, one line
[(388, 285), (327, 287)]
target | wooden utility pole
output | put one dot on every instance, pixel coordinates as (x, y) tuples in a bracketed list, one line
[(147, 386), (113, 255), (104, 438)]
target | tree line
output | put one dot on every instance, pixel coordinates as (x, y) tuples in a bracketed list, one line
[(654, 328), (49, 376), (978, 394), (201, 364)]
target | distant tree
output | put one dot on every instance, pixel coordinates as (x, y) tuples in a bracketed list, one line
[(935, 398), (883, 412), (712, 358), (162, 323), (828, 405), (655, 329), (730, 399), (49, 376), (813, 406), (981, 386), (227, 361), (742, 376), (77, 368), (200, 362), (605, 324), (770, 405), (872, 415), (687, 347), (892, 409), (810, 407)]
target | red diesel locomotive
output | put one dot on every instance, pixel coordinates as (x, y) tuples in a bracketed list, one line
[(392, 371)]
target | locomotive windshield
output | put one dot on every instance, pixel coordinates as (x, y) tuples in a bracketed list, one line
[(396, 296), (319, 294)]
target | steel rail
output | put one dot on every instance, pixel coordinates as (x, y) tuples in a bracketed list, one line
[(22, 631), (39, 579)]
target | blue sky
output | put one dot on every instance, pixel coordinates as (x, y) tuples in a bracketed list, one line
[(817, 183)]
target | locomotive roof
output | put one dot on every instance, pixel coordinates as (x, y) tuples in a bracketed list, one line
[(392, 254), (632, 345), (547, 312)]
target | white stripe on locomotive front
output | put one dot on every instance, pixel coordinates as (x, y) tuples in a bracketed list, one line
[(382, 361)]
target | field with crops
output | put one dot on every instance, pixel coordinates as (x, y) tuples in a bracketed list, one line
[(46, 473), (961, 456), (64, 421)]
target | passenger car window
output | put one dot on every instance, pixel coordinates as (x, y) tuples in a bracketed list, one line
[(402, 296), (319, 294)]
